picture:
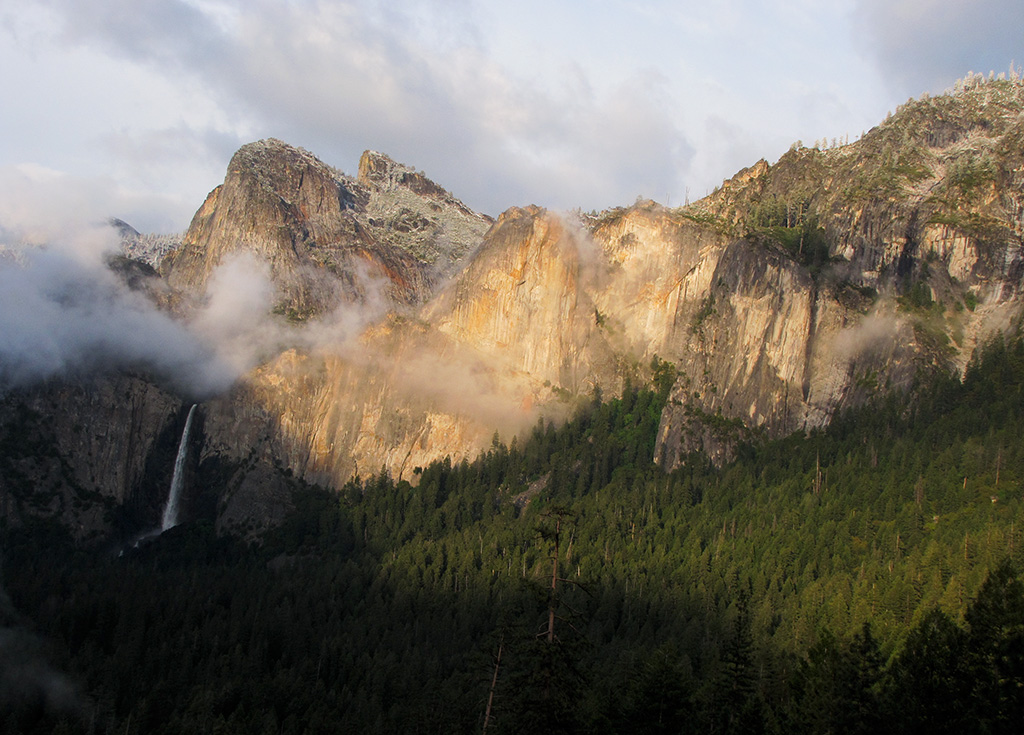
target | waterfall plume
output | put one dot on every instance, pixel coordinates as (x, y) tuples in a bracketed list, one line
[(170, 517)]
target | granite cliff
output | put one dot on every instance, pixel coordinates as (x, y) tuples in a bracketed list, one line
[(327, 238), (794, 290), (875, 260), (95, 454)]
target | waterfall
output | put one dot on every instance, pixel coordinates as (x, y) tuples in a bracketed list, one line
[(170, 518)]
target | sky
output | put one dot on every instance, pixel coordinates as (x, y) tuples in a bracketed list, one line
[(133, 108)]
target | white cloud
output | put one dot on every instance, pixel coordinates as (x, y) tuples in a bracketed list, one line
[(926, 45), (63, 312), (562, 105), (73, 106), (413, 80), (235, 317), (41, 205)]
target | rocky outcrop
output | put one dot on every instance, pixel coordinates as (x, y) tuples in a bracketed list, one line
[(409, 211), (327, 239), (658, 268), (327, 419), (773, 350), (934, 194), (527, 301), (287, 208), (548, 310), (855, 267), (759, 343)]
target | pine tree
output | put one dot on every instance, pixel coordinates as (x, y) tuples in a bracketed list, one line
[(995, 657)]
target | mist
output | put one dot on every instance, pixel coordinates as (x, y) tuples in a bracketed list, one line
[(872, 334), (65, 314), (27, 679)]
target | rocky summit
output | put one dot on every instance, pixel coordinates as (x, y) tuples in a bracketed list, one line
[(328, 239), (794, 291)]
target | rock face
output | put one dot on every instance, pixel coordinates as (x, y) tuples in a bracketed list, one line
[(757, 340), (794, 291), (527, 300), (407, 210), (326, 238), (515, 333), (82, 452), (857, 267), (284, 206)]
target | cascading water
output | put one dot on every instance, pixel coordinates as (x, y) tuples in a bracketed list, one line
[(170, 518)]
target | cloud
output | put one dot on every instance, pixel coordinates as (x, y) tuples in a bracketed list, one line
[(874, 333), (27, 680), (536, 104), (463, 384), (149, 30), (328, 73), (63, 313), (76, 106), (602, 149), (179, 160), (417, 82), (235, 317), (39, 204), (926, 45)]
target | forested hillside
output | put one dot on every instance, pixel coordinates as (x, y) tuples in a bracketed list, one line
[(831, 582)]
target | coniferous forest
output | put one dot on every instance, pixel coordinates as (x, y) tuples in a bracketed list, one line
[(863, 578)]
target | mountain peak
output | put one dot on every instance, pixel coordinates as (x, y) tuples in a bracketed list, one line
[(299, 215), (272, 149), (405, 208), (382, 173), (375, 167), (282, 169)]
